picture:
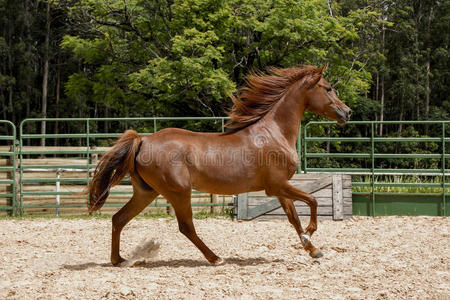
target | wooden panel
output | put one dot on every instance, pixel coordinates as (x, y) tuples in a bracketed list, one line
[(253, 201), (53, 148), (53, 174), (321, 181), (338, 198), (346, 182), (242, 206), (305, 211), (53, 161), (326, 187)]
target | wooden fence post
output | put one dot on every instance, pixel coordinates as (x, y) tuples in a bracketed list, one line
[(94, 158), (213, 201), (242, 206), (338, 198)]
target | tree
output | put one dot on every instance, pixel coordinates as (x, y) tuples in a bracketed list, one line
[(186, 57)]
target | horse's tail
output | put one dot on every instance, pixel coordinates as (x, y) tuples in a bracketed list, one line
[(112, 168)]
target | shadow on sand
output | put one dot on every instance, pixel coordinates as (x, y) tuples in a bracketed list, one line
[(176, 263)]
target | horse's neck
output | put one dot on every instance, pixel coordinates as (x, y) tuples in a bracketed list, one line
[(287, 114)]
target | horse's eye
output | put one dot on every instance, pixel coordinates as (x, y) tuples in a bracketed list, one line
[(329, 89)]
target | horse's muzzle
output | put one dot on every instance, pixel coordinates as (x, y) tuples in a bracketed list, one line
[(343, 115)]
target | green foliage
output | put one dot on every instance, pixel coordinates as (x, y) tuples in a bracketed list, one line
[(189, 56), (185, 57)]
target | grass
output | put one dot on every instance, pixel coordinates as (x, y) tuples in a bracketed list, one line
[(403, 189)]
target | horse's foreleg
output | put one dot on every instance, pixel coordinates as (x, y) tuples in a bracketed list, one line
[(285, 195), (297, 194), (183, 212), (291, 213), (138, 202)]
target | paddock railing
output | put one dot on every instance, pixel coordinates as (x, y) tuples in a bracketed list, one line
[(47, 173), (417, 181), (53, 177), (8, 164)]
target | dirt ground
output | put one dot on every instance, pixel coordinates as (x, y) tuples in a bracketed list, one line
[(365, 258)]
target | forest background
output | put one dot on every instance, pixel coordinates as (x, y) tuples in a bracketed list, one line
[(388, 60)]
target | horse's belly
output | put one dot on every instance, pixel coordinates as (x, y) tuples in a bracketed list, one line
[(225, 181)]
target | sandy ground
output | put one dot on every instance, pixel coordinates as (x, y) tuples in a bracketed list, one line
[(365, 258)]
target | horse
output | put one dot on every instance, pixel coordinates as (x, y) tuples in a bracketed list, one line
[(258, 152)]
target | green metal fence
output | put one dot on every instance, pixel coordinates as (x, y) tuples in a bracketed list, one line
[(8, 155), (373, 202), (89, 138)]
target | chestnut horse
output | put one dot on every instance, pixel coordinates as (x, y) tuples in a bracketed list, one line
[(257, 153)]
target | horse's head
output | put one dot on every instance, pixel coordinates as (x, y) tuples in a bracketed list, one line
[(322, 99)]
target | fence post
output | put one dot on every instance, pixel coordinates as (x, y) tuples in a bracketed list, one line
[(304, 150), (372, 156), (21, 168), (88, 157), (213, 201), (443, 169), (169, 208), (58, 189), (299, 149), (11, 161), (337, 198), (242, 205)]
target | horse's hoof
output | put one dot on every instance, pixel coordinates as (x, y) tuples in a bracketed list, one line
[(316, 254), (117, 262), (219, 261)]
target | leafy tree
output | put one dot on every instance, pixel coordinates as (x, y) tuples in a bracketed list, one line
[(188, 56)]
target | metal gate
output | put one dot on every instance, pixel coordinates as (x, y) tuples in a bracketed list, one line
[(8, 168), (423, 197), (368, 198), (53, 177)]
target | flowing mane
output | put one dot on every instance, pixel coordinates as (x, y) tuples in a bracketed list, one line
[(261, 93)]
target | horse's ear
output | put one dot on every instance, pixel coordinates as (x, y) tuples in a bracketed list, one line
[(315, 78)]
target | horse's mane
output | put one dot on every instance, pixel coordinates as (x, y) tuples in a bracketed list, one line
[(261, 93)]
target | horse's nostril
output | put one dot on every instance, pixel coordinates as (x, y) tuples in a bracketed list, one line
[(349, 113)]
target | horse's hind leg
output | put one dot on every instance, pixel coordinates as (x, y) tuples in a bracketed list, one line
[(143, 195), (182, 205)]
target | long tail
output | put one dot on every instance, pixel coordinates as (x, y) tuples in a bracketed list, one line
[(112, 168)]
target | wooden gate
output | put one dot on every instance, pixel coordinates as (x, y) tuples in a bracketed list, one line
[(332, 191)]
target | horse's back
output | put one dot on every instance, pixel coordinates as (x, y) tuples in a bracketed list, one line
[(209, 162)]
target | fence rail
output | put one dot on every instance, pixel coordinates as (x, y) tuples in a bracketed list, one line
[(42, 180), (80, 169), (371, 157), (7, 168)]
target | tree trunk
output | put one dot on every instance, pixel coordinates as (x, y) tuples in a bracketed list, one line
[(427, 73), (58, 90), (382, 82), (45, 74), (377, 90), (382, 104), (427, 90), (10, 71), (400, 118), (328, 136), (2, 98), (107, 122)]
